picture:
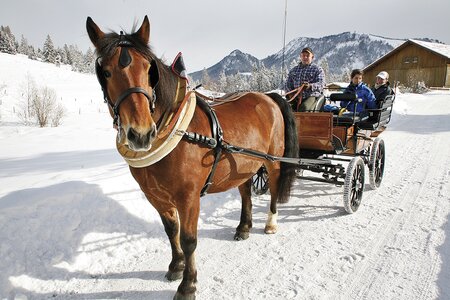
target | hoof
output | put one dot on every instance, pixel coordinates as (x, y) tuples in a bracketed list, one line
[(172, 276), (271, 229), (239, 236), (179, 296)]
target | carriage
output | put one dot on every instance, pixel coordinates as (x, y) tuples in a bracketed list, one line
[(328, 142)]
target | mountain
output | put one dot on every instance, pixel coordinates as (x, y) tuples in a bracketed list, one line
[(342, 52), (235, 62)]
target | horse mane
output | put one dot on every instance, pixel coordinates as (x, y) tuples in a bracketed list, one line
[(166, 87)]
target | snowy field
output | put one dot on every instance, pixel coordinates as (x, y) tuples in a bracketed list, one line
[(74, 224)]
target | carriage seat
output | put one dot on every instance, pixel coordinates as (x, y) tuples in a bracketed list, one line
[(380, 116), (348, 118), (318, 104)]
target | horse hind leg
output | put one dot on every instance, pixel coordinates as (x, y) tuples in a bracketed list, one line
[(172, 228), (243, 229), (274, 175)]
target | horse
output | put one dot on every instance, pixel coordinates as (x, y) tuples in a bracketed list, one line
[(140, 90)]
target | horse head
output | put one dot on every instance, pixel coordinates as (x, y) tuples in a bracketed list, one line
[(128, 73)]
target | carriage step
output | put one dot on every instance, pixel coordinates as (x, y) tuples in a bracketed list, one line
[(312, 178)]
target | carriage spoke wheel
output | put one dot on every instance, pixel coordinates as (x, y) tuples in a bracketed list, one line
[(376, 163), (354, 185), (260, 182)]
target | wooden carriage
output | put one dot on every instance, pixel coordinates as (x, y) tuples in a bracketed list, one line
[(328, 141)]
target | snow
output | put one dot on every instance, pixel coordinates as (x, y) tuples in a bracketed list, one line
[(75, 225), (391, 41), (442, 49)]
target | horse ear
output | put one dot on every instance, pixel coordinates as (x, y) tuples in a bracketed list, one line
[(94, 32), (144, 31)]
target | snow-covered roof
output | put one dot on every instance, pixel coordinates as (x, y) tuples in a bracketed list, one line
[(441, 49)]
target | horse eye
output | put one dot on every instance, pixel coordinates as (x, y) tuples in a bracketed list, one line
[(106, 74)]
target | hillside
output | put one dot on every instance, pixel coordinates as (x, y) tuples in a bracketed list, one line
[(79, 93)]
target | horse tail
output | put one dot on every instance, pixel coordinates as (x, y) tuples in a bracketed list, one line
[(291, 149)]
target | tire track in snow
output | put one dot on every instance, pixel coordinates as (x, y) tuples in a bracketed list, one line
[(379, 269)]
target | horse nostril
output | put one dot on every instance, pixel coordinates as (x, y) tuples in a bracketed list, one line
[(152, 132), (141, 141), (132, 134)]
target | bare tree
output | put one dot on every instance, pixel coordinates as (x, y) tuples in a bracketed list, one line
[(28, 91), (2, 86), (58, 113), (44, 104)]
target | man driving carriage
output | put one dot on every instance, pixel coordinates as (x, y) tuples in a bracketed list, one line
[(311, 76)]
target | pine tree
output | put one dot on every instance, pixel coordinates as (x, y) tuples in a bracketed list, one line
[(345, 76), (326, 69), (49, 52), (7, 41), (206, 80), (262, 79), (32, 54), (89, 60), (222, 82), (62, 53), (76, 58), (23, 46), (67, 55)]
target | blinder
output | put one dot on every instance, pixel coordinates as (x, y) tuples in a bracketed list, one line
[(125, 60)]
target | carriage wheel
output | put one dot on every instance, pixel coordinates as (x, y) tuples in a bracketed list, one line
[(260, 182), (376, 163), (354, 185)]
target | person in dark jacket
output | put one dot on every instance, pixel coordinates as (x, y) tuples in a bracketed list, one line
[(362, 92), (382, 87)]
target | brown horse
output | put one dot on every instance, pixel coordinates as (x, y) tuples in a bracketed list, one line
[(140, 90)]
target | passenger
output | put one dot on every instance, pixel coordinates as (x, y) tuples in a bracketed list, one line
[(362, 92), (382, 87), (309, 74)]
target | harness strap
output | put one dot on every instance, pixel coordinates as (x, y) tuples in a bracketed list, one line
[(123, 96), (216, 142)]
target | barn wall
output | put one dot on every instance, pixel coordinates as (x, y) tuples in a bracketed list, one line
[(411, 64)]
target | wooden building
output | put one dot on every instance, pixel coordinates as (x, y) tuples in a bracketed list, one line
[(412, 62)]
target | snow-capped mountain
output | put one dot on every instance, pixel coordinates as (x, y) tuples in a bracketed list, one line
[(235, 62), (342, 52)]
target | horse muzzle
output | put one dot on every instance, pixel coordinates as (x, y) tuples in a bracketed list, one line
[(141, 141)]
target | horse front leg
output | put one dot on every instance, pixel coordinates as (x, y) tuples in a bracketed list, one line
[(172, 227), (189, 214), (243, 229)]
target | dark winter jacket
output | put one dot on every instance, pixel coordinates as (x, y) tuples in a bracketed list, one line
[(362, 92), (382, 91)]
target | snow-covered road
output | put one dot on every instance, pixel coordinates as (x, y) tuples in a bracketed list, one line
[(74, 224)]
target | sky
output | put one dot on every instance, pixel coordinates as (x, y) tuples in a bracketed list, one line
[(205, 31)]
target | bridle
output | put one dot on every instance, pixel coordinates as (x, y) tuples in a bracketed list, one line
[(125, 60)]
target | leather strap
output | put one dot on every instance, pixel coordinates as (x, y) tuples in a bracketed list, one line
[(217, 134), (175, 118)]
